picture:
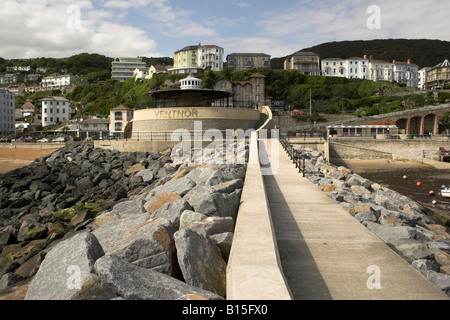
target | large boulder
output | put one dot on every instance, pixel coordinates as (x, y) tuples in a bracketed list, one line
[(65, 267), (172, 211), (135, 283), (142, 241), (201, 261)]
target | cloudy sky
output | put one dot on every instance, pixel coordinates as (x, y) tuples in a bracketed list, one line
[(154, 28)]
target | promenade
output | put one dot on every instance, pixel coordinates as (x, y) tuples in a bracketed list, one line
[(326, 253)]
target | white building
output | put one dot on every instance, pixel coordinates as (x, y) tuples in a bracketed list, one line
[(123, 68), (119, 118), (57, 82), (406, 73), (55, 110), (334, 67), (357, 68), (210, 56), (423, 74), (7, 111)]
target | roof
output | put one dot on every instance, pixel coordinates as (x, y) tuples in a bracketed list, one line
[(257, 75), (29, 105), (53, 98), (249, 54), (122, 107), (443, 64), (194, 47), (96, 120), (332, 59), (305, 53)]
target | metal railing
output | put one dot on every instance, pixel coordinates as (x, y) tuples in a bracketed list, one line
[(297, 158)]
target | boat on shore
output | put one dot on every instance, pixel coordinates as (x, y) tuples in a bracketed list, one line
[(445, 191)]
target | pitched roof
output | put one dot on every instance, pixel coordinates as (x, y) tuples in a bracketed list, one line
[(257, 75), (122, 107)]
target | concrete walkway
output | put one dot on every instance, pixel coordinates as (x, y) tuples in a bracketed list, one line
[(326, 253)]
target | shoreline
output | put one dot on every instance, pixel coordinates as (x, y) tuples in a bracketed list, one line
[(15, 158), (391, 174)]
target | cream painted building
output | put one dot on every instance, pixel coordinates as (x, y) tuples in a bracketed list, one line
[(119, 118), (245, 61), (334, 67), (123, 68), (196, 58), (57, 82), (381, 70), (304, 62)]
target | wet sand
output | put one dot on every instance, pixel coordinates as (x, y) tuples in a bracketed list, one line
[(11, 159), (390, 174)]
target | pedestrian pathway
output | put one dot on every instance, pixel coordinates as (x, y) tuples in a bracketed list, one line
[(325, 252)]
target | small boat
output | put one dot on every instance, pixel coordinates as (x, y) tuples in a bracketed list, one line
[(445, 191)]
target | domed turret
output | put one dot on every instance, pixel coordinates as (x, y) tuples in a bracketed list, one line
[(190, 83)]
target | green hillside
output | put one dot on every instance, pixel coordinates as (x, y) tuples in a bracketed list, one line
[(423, 52)]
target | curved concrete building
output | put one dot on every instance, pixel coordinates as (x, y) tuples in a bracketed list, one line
[(191, 108)]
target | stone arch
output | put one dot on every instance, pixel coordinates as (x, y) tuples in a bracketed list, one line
[(429, 124), (415, 125), (402, 125)]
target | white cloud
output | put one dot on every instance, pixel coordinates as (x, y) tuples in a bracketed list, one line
[(307, 25), (40, 28)]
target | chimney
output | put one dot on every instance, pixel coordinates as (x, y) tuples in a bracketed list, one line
[(365, 56), (409, 61)]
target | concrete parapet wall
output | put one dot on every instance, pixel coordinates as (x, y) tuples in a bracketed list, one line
[(344, 151), (399, 149), (42, 146), (253, 271)]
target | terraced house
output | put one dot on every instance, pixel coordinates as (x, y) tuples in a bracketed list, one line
[(304, 62), (439, 74), (246, 61)]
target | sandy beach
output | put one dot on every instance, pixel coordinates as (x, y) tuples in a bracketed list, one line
[(11, 159)]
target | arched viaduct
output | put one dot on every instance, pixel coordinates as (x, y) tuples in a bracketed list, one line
[(420, 121)]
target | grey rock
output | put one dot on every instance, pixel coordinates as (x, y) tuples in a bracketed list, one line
[(366, 216), (215, 225), (149, 246), (189, 217), (411, 249), (135, 283), (394, 218), (424, 265), (442, 281), (179, 186), (147, 175), (224, 241), (201, 261), (65, 267), (129, 208), (229, 186), (390, 234), (172, 211), (118, 228)]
